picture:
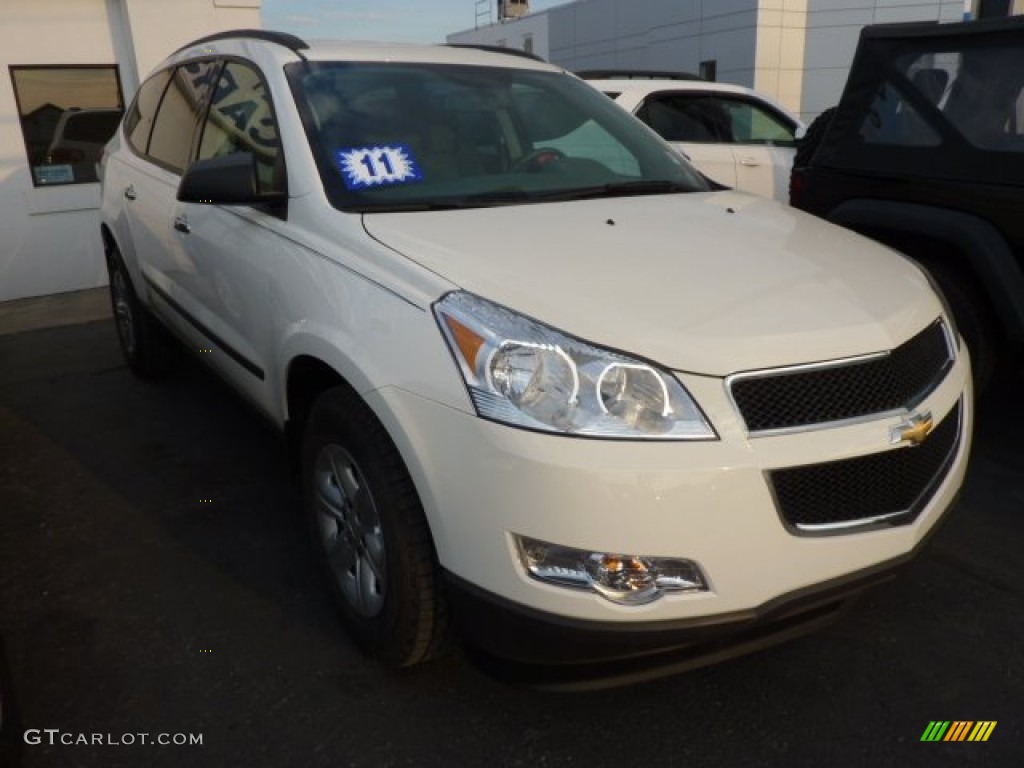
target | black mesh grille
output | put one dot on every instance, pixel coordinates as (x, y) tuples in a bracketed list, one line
[(816, 396), (900, 480)]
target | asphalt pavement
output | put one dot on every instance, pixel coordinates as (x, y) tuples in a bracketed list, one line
[(154, 579)]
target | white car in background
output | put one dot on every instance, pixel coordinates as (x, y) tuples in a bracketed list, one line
[(734, 135)]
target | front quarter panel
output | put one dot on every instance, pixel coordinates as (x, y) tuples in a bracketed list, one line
[(358, 306)]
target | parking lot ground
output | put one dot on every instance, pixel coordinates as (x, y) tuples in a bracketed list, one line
[(154, 578)]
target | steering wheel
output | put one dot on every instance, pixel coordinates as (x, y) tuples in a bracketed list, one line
[(537, 160)]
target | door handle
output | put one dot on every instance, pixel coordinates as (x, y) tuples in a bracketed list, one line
[(749, 162), (129, 192), (181, 224)]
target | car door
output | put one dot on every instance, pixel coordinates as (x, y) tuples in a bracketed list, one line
[(696, 124), (227, 248), (764, 142), (139, 183), (152, 189)]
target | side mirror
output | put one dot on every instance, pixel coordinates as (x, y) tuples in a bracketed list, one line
[(225, 180)]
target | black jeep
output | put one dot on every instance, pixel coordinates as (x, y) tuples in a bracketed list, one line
[(925, 153)]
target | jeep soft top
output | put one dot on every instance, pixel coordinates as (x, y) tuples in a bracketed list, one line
[(925, 152)]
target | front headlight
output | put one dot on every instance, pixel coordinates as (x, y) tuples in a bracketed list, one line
[(526, 374)]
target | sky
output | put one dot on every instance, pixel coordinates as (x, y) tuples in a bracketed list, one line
[(429, 21)]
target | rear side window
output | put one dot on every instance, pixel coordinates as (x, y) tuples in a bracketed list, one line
[(138, 123), (756, 124), (697, 119), (241, 119), (171, 142)]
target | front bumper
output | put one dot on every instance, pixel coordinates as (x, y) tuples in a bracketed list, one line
[(482, 483), (528, 647)]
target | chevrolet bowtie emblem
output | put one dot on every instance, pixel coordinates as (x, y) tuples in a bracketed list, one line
[(913, 430)]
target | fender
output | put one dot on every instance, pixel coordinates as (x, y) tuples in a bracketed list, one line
[(989, 256)]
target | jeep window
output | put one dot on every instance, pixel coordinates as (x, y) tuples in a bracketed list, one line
[(408, 136), (978, 91), (67, 116), (241, 119), (895, 121), (984, 98), (171, 142)]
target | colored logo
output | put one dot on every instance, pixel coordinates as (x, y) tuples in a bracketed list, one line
[(913, 430), (958, 730)]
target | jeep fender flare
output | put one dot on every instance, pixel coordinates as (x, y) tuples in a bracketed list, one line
[(991, 260)]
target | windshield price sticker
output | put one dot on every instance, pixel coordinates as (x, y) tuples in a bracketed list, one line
[(364, 167)]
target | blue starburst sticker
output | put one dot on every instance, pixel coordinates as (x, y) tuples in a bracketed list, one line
[(380, 165)]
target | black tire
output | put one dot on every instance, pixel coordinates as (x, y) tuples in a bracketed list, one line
[(145, 344), (974, 318), (370, 534), (808, 145)]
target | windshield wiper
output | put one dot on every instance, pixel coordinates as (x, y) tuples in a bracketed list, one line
[(516, 196), (482, 200), (402, 207), (619, 189)]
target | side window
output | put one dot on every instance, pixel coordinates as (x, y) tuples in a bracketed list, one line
[(754, 124), (696, 118), (894, 121), (138, 123), (241, 119), (985, 97), (182, 104)]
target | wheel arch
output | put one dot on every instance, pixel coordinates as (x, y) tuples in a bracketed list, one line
[(109, 242), (962, 241)]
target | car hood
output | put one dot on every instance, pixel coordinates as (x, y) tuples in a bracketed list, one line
[(709, 283)]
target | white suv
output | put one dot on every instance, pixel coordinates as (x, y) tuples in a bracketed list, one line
[(736, 136), (538, 376)]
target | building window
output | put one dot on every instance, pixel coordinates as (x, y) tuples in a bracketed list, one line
[(709, 70), (67, 113)]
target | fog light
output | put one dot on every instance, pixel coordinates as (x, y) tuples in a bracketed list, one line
[(623, 579)]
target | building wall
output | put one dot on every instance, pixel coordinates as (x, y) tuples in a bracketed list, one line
[(511, 34), (833, 28), (50, 241), (646, 34), (657, 34), (779, 57), (797, 51)]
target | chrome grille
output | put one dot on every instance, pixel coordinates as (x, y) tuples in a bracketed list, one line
[(791, 398), (891, 487)]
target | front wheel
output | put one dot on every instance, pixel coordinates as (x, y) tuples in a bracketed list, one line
[(146, 346), (370, 533)]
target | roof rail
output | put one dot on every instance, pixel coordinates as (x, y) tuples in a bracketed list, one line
[(291, 42), (497, 49), (635, 74)]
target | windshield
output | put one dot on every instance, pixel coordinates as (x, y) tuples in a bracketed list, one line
[(396, 136)]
